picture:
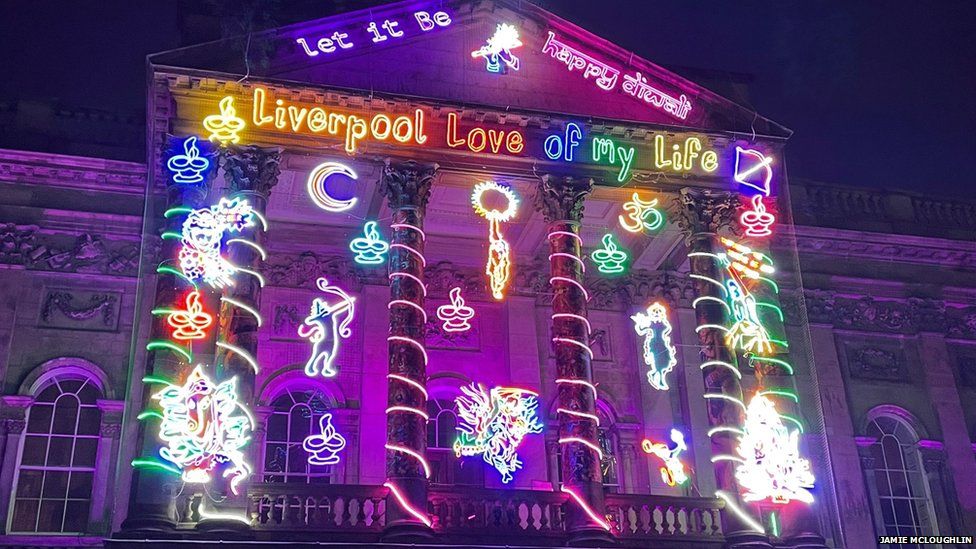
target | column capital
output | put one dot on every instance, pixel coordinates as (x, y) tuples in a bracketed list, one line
[(407, 184), (560, 198), (250, 168), (698, 211)]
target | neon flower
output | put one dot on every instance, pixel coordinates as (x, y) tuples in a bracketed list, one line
[(673, 471), (772, 467), (499, 264), (747, 332), (224, 126), (189, 166), (456, 315), (326, 324), (370, 249), (203, 430), (318, 192), (610, 259), (752, 169), (323, 448), (655, 320), (190, 323), (203, 233), (499, 48), (643, 215), (757, 220), (493, 425)]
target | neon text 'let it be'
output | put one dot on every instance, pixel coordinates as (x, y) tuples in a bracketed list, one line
[(375, 31)]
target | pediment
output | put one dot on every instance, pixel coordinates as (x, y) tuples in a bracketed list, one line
[(425, 51)]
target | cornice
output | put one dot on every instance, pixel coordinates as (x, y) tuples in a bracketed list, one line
[(71, 172), (918, 250)]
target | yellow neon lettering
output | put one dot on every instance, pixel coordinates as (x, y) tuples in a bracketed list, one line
[(515, 142), (477, 135), (452, 124), (419, 118), (334, 120), (318, 121), (659, 161), (258, 108), (297, 116), (381, 126), (279, 116), (709, 161), (402, 129), (356, 130)]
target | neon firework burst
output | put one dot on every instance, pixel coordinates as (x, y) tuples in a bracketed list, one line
[(205, 428), (494, 423), (659, 353), (203, 233)]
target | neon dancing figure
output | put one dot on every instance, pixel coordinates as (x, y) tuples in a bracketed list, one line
[(323, 448), (655, 320), (494, 423), (325, 325), (673, 470), (203, 233), (499, 48)]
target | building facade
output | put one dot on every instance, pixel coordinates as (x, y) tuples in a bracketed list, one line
[(466, 274)]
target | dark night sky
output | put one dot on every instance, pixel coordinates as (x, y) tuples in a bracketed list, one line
[(879, 94)]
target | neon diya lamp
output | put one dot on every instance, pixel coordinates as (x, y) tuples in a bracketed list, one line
[(610, 259), (757, 220), (189, 166), (370, 249), (192, 322), (225, 125), (456, 315)]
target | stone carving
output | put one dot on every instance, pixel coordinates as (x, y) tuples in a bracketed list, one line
[(24, 245), (98, 312), (827, 242), (866, 313), (908, 316), (303, 270), (109, 430), (17, 243), (286, 320), (876, 363), (444, 275), (562, 198), (437, 338), (407, 184), (251, 168), (961, 322), (600, 342), (15, 426), (699, 211)]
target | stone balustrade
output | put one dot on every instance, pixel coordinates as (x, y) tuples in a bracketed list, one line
[(641, 517)]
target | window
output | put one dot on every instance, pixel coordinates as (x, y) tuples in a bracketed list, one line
[(57, 462), (607, 439), (294, 417), (446, 468), (902, 503)]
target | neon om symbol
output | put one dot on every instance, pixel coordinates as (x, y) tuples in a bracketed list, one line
[(324, 327)]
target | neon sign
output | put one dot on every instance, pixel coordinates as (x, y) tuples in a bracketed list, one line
[(499, 48), (203, 232), (757, 220), (606, 150), (478, 139), (494, 423), (326, 324), (673, 471), (772, 467), (562, 146), (377, 33), (370, 249), (499, 264), (189, 167), (192, 322), (655, 320), (456, 315), (323, 448), (610, 259), (682, 158), (643, 215), (317, 179), (202, 429), (752, 169), (225, 125)]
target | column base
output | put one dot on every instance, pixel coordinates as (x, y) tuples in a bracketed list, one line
[(225, 529), (590, 537), (807, 540), (406, 531), (146, 524), (747, 540)]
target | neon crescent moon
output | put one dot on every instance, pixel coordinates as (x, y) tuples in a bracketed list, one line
[(316, 186)]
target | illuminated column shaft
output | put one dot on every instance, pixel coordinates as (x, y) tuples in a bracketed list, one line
[(250, 173), (560, 199), (701, 215), (406, 187)]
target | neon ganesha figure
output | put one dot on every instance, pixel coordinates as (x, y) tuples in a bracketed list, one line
[(326, 324), (494, 423)]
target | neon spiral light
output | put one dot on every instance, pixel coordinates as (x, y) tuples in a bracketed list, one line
[(241, 353), (142, 463), (698, 300), (586, 508), (673, 471), (170, 346), (708, 279), (594, 417), (723, 364), (188, 168), (646, 324), (253, 245), (165, 269), (409, 304), (455, 315), (757, 220), (409, 409), (642, 215), (725, 457), (326, 326), (724, 396), (406, 505), (743, 516), (200, 257), (423, 235), (244, 307), (584, 346), (192, 322), (584, 442), (316, 186), (370, 249), (395, 274), (586, 295), (725, 429), (224, 126), (579, 382), (415, 455), (498, 49), (416, 344), (566, 233), (570, 256), (610, 259), (420, 256), (718, 327), (255, 274), (499, 263), (716, 257), (574, 317), (202, 429), (323, 448), (409, 381), (494, 423)]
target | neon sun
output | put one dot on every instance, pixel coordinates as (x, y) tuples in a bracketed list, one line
[(498, 49), (326, 324), (203, 232), (499, 263), (647, 324), (494, 423)]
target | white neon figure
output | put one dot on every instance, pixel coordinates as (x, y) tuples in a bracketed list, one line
[(752, 169), (673, 470), (324, 448), (772, 467), (494, 423), (317, 190), (499, 48), (203, 233), (326, 324), (643, 215), (456, 315), (499, 264), (188, 167), (202, 430), (655, 319), (747, 332)]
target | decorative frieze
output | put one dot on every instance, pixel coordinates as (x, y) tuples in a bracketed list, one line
[(80, 309), (28, 246), (877, 363)]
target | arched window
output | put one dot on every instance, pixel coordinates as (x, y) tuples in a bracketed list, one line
[(295, 415), (57, 463), (903, 506), (446, 468)]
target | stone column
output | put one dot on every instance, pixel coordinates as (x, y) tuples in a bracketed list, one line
[(13, 421), (250, 173), (944, 495), (406, 186), (560, 199), (702, 215), (103, 483)]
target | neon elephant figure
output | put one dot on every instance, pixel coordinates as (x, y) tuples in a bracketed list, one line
[(326, 324)]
